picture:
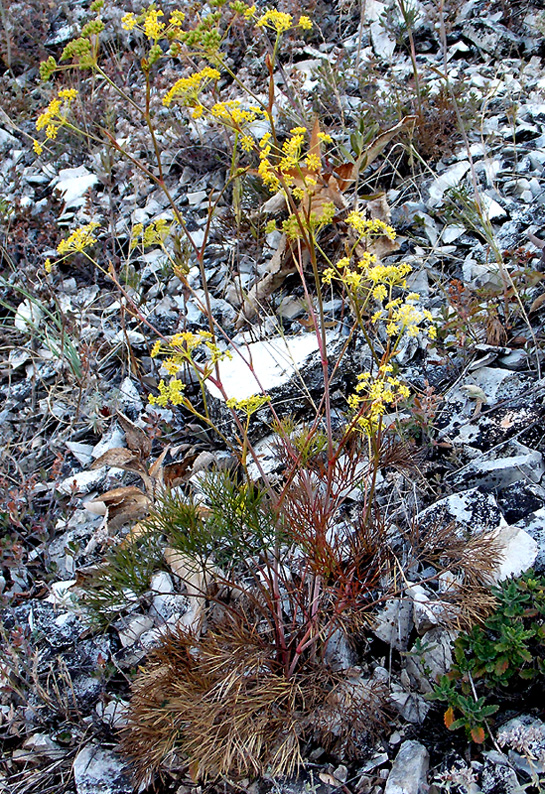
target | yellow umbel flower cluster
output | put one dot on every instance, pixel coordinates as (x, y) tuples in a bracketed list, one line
[(279, 22), (287, 166), (78, 241), (179, 351), (169, 393), (232, 114), (54, 116), (366, 227), (186, 89), (151, 26), (371, 279), (312, 222), (401, 317), (373, 396), (249, 405), (368, 274), (155, 233)]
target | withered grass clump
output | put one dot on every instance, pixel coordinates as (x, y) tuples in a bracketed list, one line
[(476, 558), (223, 706), (243, 691)]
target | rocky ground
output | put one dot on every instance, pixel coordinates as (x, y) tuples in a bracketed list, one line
[(76, 373)]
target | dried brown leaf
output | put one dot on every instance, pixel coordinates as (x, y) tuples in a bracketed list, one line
[(120, 457), (137, 440), (156, 470), (537, 304), (314, 147), (381, 141), (134, 506)]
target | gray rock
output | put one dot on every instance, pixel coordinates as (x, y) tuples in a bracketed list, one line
[(41, 744), (130, 399), (394, 622), (161, 583), (114, 438), (471, 510), (501, 466), (130, 633), (409, 770), (275, 363), (286, 368), (427, 613), (169, 607), (497, 775), (411, 706), (115, 714), (433, 659), (100, 771), (73, 184), (534, 525), (449, 178), (339, 654)]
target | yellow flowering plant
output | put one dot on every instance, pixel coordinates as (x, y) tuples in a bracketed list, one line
[(292, 165), (325, 457)]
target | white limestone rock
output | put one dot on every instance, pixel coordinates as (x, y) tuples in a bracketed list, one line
[(394, 623), (411, 706), (473, 512), (100, 771), (274, 363), (433, 660), (73, 184), (501, 466), (449, 178), (409, 770)]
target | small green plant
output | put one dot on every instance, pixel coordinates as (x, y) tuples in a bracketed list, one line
[(493, 660), (122, 579)]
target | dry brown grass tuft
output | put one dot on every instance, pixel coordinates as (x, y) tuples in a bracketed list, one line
[(225, 708)]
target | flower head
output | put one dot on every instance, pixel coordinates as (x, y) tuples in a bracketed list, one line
[(79, 240), (277, 21)]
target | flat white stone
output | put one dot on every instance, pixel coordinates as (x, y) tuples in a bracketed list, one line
[(393, 623), (518, 554), (434, 660), (195, 199), (411, 706), (274, 362), (74, 183), (113, 439), (383, 43), (137, 626), (501, 466), (409, 770), (83, 482), (28, 316), (161, 583), (476, 512), (491, 208), (452, 232), (6, 139), (82, 452), (449, 178), (62, 594), (130, 394), (42, 744), (114, 714), (99, 771)]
